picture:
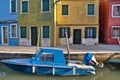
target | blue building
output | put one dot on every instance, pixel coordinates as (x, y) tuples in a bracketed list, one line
[(9, 22)]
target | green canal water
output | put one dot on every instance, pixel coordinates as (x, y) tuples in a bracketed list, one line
[(101, 74)]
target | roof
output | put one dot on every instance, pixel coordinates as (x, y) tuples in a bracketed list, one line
[(58, 56)]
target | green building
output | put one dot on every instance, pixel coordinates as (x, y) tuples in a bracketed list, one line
[(36, 22)]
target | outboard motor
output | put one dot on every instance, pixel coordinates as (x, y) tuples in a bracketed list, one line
[(89, 59)]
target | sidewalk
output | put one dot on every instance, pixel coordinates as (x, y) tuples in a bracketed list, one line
[(101, 48)]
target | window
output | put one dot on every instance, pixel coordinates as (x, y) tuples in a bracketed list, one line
[(115, 31), (90, 9), (13, 31), (64, 9), (90, 32), (46, 31), (23, 32), (13, 6), (24, 6), (45, 5), (47, 57), (62, 31), (116, 11)]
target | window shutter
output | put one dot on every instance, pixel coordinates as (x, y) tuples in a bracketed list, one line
[(45, 31), (68, 31), (60, 32), (94, 32), (23, 31), (13, 6), (86, 32), (64, 9), (45, 5), (24, 6), (90, 9)]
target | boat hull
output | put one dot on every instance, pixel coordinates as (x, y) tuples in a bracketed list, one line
[(115, 63), (50, 70)]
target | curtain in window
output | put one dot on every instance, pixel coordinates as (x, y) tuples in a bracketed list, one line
[(13, 31), (62, 31), (116, 32), (116, 10), (90, 32)]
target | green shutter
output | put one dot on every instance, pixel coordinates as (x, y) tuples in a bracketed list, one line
[(45, 31), (90, 9), (13, 6), (86, 32), (23, 32), (68, 31), (45, 5), (24, 6), (64, 9), (94, 32), (60, 32)]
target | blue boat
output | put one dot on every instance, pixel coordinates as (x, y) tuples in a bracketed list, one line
[(50, 61)]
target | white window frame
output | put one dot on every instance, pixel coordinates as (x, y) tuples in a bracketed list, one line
[(11, 8), (21, 7), (11, 30), (42, 7), (112, 11), (87, 9), (111, 30)]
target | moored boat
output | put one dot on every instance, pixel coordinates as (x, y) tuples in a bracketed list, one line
[(50, 61), (115, 63)]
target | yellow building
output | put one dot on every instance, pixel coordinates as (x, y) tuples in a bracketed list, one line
[(81, 20)]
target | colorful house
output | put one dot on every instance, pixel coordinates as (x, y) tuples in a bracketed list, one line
[(36, 22), (109, 21), (8, 22), (80, 18)]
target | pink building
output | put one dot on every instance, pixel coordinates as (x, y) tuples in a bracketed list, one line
[(109, 21)]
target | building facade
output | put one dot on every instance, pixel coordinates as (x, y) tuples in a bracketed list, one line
[(80, 18), (109, 21), (36, 22), (8, 23)]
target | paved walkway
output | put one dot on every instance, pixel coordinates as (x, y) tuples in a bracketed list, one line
[(101, 48)]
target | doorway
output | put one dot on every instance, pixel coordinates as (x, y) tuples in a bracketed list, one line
[(77, 36), (5, 35), (34, 36)]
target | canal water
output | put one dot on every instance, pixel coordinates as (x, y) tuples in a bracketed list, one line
[(101, 74)]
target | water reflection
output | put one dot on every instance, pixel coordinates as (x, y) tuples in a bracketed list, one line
[(101, 74)]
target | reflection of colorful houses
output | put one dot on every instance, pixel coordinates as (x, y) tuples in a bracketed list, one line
[(36, 22), (81, 19), (109, 21), (8, 22)]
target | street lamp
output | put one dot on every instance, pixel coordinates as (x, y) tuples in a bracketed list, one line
[(58, 1)]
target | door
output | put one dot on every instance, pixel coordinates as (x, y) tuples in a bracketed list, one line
[(77, 36), (34, 35), (5, 35)]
